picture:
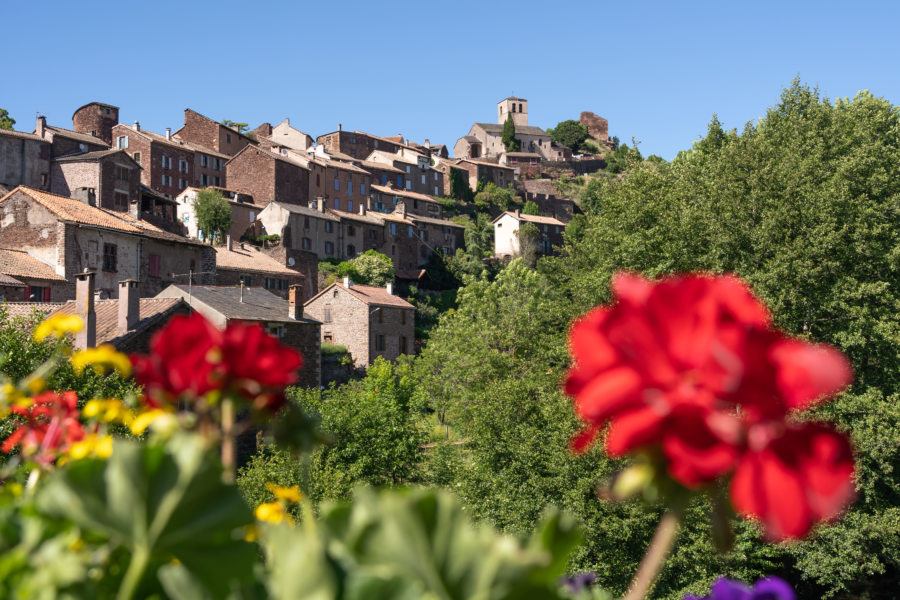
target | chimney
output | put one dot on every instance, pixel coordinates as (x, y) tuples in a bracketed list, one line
[(295, 302), (321, 204), (518, 213), (339, 127), (40, 126), (347, 282), (84, 308), (390, 288), (168, 133), (129, 306), (369, 203), (401, 206), (362, 207), (228, 243), (427, 143), (137, 126)]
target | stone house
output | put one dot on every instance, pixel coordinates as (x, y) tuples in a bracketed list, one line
[(282, 134), (416, 167), (401, 242), (268, 177), (437, 235), (127, 322), (311, 228), (109, 179), (243, 211), (245, 264), (65, 141), (72, 237), (357, 144), (476, 171), (543, 193), (386, 198), (283, 319), (202, 131), (359, 231), (384, 174), (24, 160), (369, 321), (343, 185), (525, 165), (167, 165), (506, 242), (24, 278)]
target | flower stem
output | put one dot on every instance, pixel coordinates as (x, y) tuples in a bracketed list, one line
[(228, 457), (656, 555), (139, 561)]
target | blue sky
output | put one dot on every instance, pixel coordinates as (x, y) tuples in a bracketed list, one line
[(656, 70)]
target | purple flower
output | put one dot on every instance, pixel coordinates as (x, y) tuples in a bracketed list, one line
[(576, 583), (767, 588)]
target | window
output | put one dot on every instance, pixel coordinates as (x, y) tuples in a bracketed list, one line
[(409, 184), (329, 339), (204, 179), (350, 206), (337, 204), (275, 330), (329, 227), (121, 142), (337, 184), (306, 221), (182, 166), (409, 230), (306, 243), (123, 173), (349, 186), (402, 317), (379, 343), (435, 177), (402, 344), (166, 179), (351, 230), (154, 265), (327, 318), (165, 161), (384, 179), (423, 178), (252, 215), (227, 138), (246, 280), (217, 181), (204, 160), (351, 250), (393, 229), (217, 164), (373, 235), (109, 258), (37, 293), (399, 181), (137, 157), (380, 315), (318, 181), (121, 199), (407, 169), (435, 190), (329, 248), (362, 189), (415, 203)]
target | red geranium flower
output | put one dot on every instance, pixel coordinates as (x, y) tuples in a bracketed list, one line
[(51, 426), (190, 357), (689, 367)]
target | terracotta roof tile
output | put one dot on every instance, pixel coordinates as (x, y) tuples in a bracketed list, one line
[(18, 263), (69, 209), (23, 135), (26, 309), (531, 219), (7, 280), (249, 258), (368, 294), (73, 135), (404, 193)]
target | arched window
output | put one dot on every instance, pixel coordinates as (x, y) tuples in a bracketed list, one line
[(514, 107), (520, 108)]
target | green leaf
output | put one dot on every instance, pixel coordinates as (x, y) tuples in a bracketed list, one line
[(160, 503)]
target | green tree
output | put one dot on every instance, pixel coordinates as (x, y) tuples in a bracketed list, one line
[(571, 134), (509, 139), (531, 208), (241, 128), (492, 196), (6, 122), (459, 185), (528, 237), (213, 214), (373, 268)]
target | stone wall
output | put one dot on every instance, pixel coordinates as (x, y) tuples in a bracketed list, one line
[(24, 161), (96, 119), (597, 126)]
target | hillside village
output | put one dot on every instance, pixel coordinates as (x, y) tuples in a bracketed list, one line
[(99, 220)]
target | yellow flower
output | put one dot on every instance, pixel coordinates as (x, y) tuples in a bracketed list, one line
[(92, 445), (251, 533), (57, 326), (108, 411), (102, 358), (141, 422), (11, 395), (36, 385), (76, 545), (272, 512), (290, 494)]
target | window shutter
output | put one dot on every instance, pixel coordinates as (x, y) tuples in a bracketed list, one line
[(47, 294)]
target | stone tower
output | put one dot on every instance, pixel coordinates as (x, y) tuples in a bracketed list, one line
[(517, 107), (96, 119)]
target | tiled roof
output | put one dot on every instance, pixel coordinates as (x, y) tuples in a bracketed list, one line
[(22, 134), (524, 154), (395, 139), (403, 193), (485, 163), (249, 258), (304, 210), (88, 156), (441, 222), (531, 219), (73, 135), (7, 280), (366, 218), (381, 167), (257, 304), (151, 230), (26, 309), (495, 128), (151, 311), (69, 209), (18, 263), (283, 158), (370, 295), (392, 216), (155, 137)]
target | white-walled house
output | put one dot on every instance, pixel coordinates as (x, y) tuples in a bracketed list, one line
[(506, 242)]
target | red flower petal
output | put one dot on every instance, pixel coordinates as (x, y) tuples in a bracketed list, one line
[(633, 429), (631, 287), (608, 393), (807, 373), (583, 440)]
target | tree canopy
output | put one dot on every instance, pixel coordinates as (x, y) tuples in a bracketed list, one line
[(571, 134), (6, 122), (213, 214), (509, 139)]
